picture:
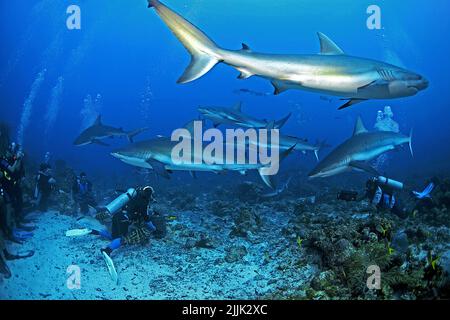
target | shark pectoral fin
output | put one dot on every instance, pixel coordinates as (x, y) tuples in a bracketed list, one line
[(327, 46), (244, 73), (159, 168), (351, 102), (99, 142), (132, 134), (243, 172), (361, 165), (287, 152), (199, 66), (282, 86), (280, 123)]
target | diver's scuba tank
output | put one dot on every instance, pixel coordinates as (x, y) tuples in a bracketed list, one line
[(121, 201), (390, 182)]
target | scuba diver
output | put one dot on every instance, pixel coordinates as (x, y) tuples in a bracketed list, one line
[(132, 222), (4, 231), (380, 191), (82, 193), (13, 224), (12, 168), (44, 186)]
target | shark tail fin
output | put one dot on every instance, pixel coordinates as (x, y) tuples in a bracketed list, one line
[(204, 52), (319, 146), (269, 179), (280, 123), (410, 142), (132, 134)]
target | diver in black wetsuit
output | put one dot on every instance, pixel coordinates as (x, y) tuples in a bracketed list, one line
[(6, 232), (13, 170), (135, 214), (45, 184)]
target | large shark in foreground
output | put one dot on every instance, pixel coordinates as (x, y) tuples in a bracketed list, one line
[(331, 72), (355, 152), (98, 131), (234, 116)]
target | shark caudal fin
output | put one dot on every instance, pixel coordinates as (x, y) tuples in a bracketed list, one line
[(410, 142), (280, 123), (269, 180), (204, 52), (132, 134)]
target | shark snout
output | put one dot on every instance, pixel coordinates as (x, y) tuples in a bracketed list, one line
[(421, 84)]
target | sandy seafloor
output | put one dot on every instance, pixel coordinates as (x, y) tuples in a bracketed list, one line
[(163, 269)]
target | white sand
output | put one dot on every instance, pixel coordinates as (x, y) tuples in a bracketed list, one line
[(162, 269)]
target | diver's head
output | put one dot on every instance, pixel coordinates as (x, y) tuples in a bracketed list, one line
[(147, 192), (83, 176)]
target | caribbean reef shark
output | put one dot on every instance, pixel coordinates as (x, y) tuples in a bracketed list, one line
[(156, 154), (286, 142), (331, 72), (355, 152), (99, 131), (234, 116)]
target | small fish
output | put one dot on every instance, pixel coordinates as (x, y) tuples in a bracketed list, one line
[(299, 241)]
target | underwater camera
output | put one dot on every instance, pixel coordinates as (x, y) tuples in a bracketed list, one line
[(347, 195)]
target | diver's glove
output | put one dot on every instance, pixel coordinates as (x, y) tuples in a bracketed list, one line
[(425, 193)]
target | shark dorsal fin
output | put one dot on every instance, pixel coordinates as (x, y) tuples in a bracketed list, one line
[(98, 121), (238, 107), (327, 46), (359, 127), (190, 127), (270, 125), (245, 47)]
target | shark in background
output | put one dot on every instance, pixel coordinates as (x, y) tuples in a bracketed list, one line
[(98, 131), (356, 151), (234, 116), (332, 72), (156, 154)]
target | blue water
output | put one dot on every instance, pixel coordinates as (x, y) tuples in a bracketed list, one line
[(128, 62)]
